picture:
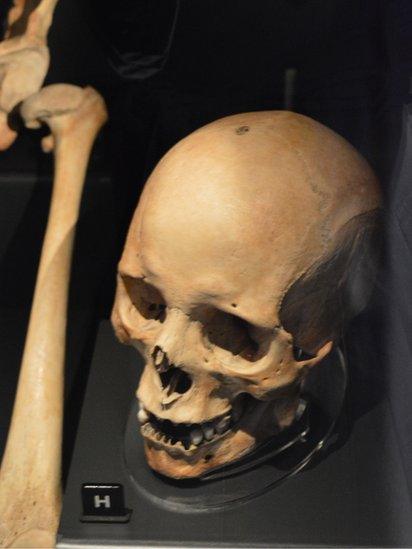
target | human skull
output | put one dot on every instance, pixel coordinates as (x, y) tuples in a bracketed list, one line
[(247, 254)]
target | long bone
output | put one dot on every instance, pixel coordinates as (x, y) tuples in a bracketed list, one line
[(24, 58), (30, 498)]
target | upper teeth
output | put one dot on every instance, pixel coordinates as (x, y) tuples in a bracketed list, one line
[(196, 436), (142, 416), (208, 431)]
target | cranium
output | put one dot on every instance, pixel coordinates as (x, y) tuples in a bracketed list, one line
[(246, 256)]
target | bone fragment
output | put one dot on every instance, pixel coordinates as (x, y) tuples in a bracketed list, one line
[(30, 498), (24, 58)]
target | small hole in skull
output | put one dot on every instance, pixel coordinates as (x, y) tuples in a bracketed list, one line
[(242, 130), (208, 457)]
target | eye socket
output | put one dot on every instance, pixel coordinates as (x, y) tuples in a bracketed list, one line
[(146, 298), (228, 332), (299, 354)]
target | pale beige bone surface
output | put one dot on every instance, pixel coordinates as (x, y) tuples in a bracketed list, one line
[(236, 279), (30, 471), (30, 17), (24, 57)]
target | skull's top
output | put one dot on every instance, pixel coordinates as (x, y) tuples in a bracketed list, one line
[(252, 245)]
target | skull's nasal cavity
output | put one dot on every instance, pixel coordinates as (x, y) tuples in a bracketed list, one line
[(174, 380)]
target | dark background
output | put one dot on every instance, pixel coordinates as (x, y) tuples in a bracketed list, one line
[(167, 67)]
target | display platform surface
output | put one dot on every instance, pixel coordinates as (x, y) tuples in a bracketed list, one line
[(355, 494)]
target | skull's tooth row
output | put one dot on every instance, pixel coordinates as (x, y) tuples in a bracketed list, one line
[(149, 431), (193, 434)]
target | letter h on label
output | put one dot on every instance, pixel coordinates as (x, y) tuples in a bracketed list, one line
[(105, 500)]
